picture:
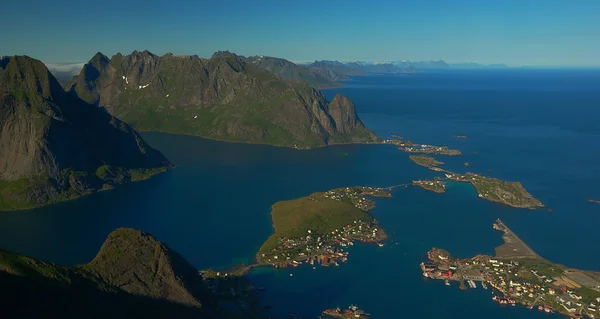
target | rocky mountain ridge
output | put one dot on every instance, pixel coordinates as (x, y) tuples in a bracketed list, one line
[(295, 72), (226, 97), (54, 146)]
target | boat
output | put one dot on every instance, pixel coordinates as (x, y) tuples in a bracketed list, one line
[(380, 244), (471, 283), (446, 282), (483, 285)]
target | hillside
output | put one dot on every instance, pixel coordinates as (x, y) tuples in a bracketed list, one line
[(287, 70), (54, 146), (133, 276), (320, 215), (224, 97)]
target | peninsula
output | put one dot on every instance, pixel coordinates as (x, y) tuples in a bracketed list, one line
[(315, 228), (496, 190), (492, 189), (436, 186), (426, 161), (521, 276)]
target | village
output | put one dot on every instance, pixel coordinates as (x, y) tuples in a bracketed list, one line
[(351, 312), (323, 249), (356, 196), (530, 281), (410, 147), (317, 229)]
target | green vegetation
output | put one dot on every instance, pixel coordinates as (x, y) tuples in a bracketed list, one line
[(542, 267), (434, 186), (226, 98), (133, 276), (13, 194), (24, 193), (425, 160), (335, 216), (320, 215), (496, 190)]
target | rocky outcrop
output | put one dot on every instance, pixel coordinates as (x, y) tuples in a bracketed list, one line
[(53, 145), (133, 276), (226, 97), (139, 264)]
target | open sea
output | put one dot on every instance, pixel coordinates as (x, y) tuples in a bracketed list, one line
[(539, 127)]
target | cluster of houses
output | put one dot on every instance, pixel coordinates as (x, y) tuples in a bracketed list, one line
[(353, 195), (323, 249), (351, 312), (516, 282)]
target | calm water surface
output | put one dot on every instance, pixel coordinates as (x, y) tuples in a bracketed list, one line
[(539, 127)]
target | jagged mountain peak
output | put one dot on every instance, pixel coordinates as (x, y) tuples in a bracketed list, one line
[(23, 74), (221, 54), (227, 97), (54, 146)]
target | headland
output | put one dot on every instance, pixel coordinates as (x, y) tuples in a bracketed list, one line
[(496, 190)]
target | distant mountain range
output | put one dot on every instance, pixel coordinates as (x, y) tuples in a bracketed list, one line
[(392, 67)]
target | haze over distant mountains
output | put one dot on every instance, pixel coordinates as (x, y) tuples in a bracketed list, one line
[(318, 78)]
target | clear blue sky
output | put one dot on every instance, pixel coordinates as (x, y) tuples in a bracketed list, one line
[(515, 32)]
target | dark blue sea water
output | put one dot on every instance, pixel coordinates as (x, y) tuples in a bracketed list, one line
[(540, 127)]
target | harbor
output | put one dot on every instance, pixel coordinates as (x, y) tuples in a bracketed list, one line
[(519, 276)]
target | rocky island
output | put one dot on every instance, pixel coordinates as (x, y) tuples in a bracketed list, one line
[(426, 161), (521, 276), (410, 147), (226, 97), (496, 190), (436, 186), (351, 312), (56, 147), (315, 228)]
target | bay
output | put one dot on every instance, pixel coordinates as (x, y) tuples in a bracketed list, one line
[(539, 127)]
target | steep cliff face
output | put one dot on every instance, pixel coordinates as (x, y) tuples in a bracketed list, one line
[(133, 276), (225, 97), (54, 146)]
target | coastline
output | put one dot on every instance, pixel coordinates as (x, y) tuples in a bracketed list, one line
[(520, 275), (260, 143)]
